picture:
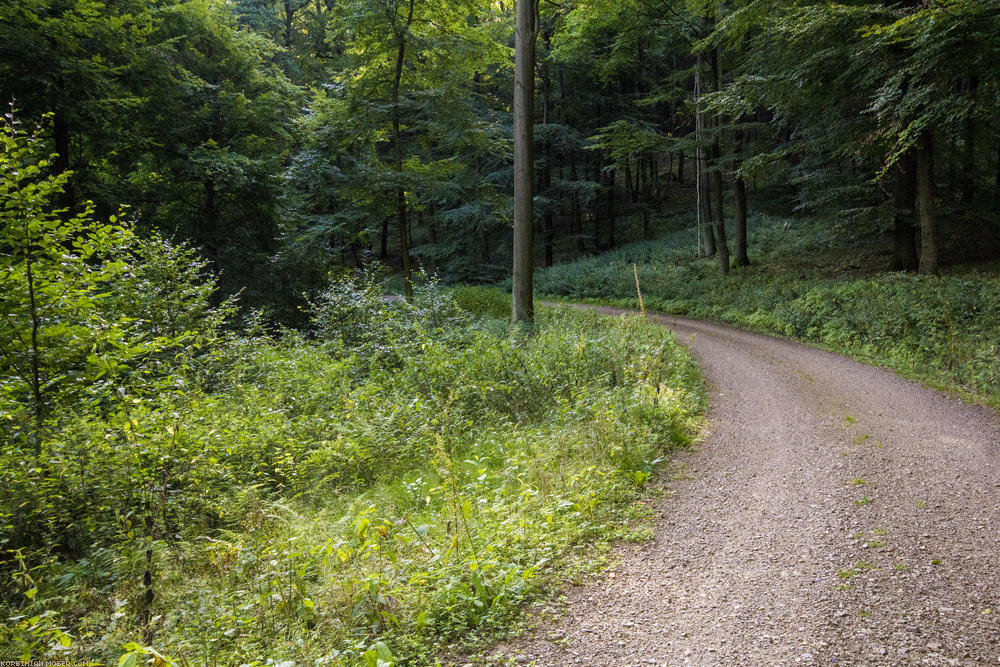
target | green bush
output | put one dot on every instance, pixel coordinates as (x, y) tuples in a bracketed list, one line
[(410, 477), (97, 325)]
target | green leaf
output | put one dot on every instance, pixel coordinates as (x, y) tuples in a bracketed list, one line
[(362, 527)]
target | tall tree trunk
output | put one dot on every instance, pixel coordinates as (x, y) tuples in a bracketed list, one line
[(525, 35), (383, 250), (289, 15), (612, 208), (720, 215), (740, 213), (595, 211), (904, 239), (210, 209), (628, 179), (680, 168), (740, 208), (61, 164), (925, 204), (701, 177), (646, 181), (722, 247), (970, 172), (708, 235), (577, 205), (397, 140)]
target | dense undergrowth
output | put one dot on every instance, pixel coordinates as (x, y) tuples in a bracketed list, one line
[(399, 483), (807, 284)]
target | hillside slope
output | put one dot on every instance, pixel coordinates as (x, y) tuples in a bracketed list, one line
[(809, 285)]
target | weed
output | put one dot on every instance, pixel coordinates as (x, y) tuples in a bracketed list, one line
[(859, 567)]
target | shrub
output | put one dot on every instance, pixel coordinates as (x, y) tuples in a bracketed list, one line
[(314, 511)]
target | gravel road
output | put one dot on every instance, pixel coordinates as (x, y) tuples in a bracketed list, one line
[(835, 513)]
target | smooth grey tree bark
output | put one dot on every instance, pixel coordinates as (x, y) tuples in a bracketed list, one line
[(525, 36)]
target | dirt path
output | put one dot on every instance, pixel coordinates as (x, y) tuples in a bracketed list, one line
[(835, 514)]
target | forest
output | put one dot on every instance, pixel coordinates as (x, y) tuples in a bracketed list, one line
[(265, 394)]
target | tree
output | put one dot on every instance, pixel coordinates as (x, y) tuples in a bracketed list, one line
[(525, 36), (44, 289), (74, 59), (213, 136), (85, 306)]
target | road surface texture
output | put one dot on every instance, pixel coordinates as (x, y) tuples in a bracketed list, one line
[(835, 513)]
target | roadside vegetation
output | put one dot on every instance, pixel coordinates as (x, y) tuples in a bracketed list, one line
[(378, 488), (811, 284)]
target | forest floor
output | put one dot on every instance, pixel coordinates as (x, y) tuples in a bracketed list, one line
[(834, 513)]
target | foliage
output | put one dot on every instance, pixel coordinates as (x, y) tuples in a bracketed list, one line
[(89, 309), (413, 475), (96, 323), (214, 135), (482, 301)]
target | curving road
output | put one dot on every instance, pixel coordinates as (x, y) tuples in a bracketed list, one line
[(835, 513)]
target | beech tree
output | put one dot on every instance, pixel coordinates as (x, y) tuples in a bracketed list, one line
[(525, 36)]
